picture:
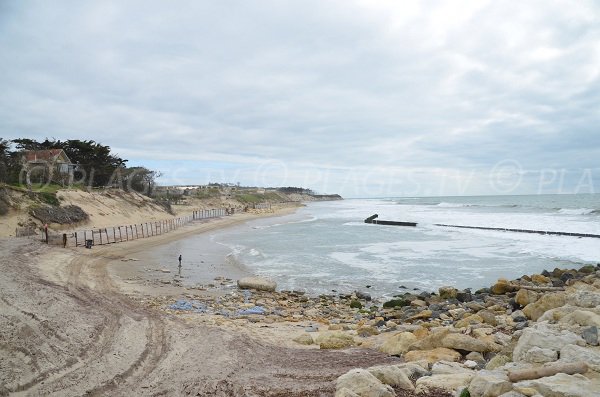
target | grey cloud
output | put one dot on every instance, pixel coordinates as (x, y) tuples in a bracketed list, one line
[(319, 85)]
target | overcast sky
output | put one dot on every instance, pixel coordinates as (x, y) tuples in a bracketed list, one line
[(364, 98)]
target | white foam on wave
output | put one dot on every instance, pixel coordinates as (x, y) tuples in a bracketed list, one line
[(454, 205), (254, 252), (576, 211)]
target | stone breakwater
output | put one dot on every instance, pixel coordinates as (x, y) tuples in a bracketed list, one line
[(534, 336)]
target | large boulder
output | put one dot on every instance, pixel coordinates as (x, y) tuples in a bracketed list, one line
[(449, 382), (468, 343), (392, 375), (501, 287), (489, 384), (546, 302), (540, 279), (431, 341), (335, 340), (574, 353), (448, 367), (497, 361), (545, 336), (584, 298), (447, 292), (257, 283), (345, 392), (582, 317), (562, 385), (398, 343), (525, 297), (362, 383), (537, 355), (416, 369), (433, 355), (304, 339)]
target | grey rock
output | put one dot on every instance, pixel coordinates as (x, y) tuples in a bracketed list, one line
[(537, 355), (392, 375), (363, 295), (545, 336), (518, 316), (573, 353), (363, 383), (590, 334), (583, 298), (563, 385), (489, 384)]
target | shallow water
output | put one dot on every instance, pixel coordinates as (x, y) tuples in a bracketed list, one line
[(326, 247)]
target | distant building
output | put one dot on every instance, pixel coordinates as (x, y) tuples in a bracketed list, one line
[(52, 163)]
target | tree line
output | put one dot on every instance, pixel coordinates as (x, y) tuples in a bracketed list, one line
[(94, 164)]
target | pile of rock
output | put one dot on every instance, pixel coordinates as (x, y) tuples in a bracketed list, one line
[(536, 336)]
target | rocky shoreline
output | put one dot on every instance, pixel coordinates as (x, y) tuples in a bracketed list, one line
[(491, 342)]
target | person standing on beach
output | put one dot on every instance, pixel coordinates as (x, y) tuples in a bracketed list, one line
[(179, 265)]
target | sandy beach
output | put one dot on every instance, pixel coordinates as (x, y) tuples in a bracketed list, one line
[(71, 327)]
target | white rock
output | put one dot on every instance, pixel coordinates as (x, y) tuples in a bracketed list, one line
[(448, 367), (489, 384), (545, 336), (563, 385), (584, 298), (582, 317), (257, 283), (572, 353), (345, 393), (415, 369), (363, 383), (470, 364), (392, 375), (449, 382), (512, 393), (537, 355)]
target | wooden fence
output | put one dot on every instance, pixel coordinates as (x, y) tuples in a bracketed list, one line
[(117, 234)]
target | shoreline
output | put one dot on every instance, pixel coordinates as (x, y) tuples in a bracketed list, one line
[(130, 270)]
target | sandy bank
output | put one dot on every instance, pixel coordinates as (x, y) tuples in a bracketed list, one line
[(68, 330)]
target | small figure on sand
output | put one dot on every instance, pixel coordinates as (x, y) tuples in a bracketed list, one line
[(179, 265)]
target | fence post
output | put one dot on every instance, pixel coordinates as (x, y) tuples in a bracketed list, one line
[(75, 239), (120, 234), (100, 233)]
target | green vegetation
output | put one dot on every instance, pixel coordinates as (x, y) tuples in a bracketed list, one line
[(356, 304), (396, 303), (211, 192), (40, 187), (465, 393), (91, 164), (253, 198), (249, 198), (48, 198), (4, 202)]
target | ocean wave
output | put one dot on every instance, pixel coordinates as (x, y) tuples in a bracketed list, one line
[(578, 211), (455, 205)]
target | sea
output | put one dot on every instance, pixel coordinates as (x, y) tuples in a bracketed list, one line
[(325, 247)]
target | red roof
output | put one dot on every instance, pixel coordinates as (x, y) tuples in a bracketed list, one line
[(43, 155)]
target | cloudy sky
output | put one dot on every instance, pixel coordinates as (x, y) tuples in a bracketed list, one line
[(365, 98)]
